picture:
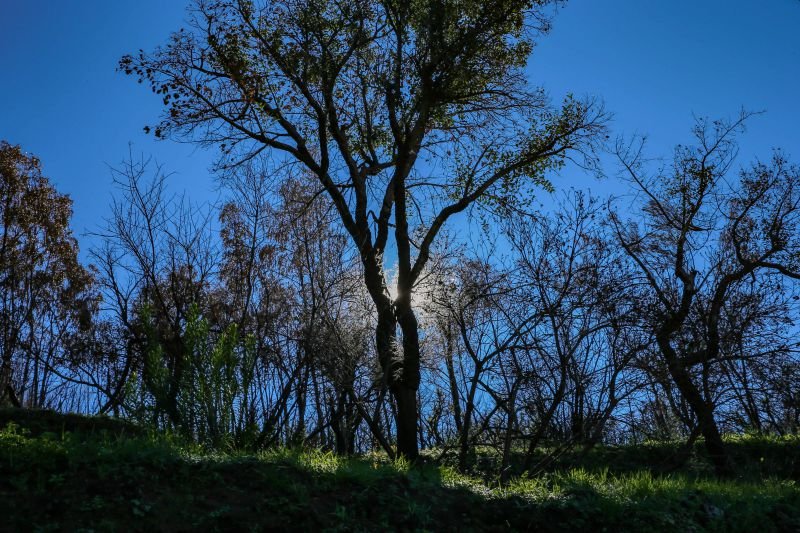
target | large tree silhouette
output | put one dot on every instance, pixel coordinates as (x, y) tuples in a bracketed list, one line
[(46, 295), (707, 244), (406, 113)]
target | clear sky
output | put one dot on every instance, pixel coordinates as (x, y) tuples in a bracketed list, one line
[(654, 62)]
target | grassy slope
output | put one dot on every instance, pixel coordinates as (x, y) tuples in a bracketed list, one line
[(104, 475)]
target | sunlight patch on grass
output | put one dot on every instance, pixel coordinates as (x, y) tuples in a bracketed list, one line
[(151, 475)]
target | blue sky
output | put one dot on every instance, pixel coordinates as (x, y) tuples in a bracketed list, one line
[(653, 62)]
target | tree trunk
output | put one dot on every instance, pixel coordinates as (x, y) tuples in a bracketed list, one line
[(401, 371), (394, 371), (544, 422), (511, 411), (405, 388), (406, 420), (7, 394), (339, 424), (466, 426), (702, 409), (453, 381)]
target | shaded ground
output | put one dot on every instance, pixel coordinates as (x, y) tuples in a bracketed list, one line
[(90, 475), (755, 458)]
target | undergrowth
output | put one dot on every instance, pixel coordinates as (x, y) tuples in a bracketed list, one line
[(107, 480)]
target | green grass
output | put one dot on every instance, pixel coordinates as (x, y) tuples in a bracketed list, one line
[(755, 458), (96, 477)]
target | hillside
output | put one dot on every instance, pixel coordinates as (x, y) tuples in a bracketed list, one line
[(64, 472)]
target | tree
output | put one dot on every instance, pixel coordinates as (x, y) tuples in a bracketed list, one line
[(468, 304), (706, 248), (406, 114), (46, 296), (575, 357), (153, 254)]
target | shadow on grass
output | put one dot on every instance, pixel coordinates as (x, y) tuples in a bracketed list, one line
[(104, 481), (756, 457), (38, 421)]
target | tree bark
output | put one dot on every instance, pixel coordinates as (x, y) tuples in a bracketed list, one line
[(404, 387), (406, 420)]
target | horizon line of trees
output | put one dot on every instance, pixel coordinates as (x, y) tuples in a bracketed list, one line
[(258, 332)]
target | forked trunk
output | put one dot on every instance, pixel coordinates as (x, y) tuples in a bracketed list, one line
[(405, 399), (401, 369), (704, 412)]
